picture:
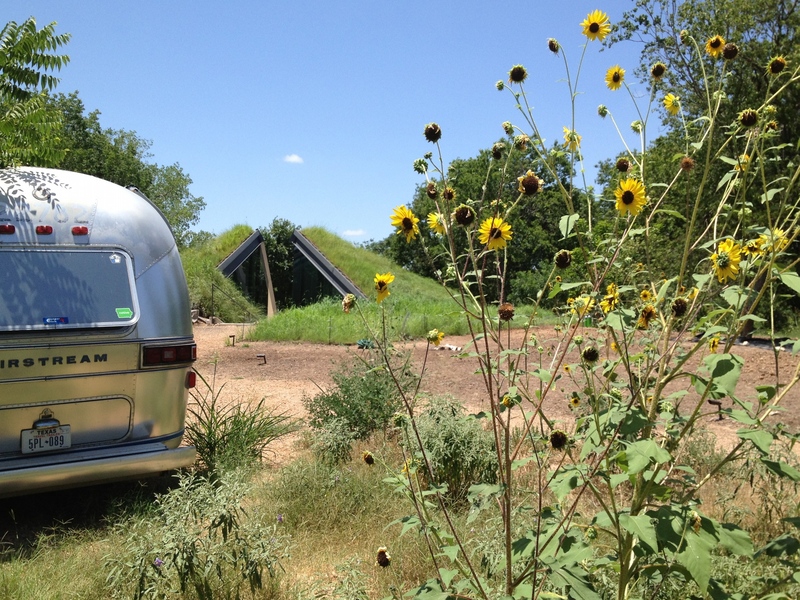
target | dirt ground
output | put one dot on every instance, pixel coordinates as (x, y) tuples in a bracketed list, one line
[(282, 373)]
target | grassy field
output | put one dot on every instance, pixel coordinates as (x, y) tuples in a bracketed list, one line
[(415, 305)]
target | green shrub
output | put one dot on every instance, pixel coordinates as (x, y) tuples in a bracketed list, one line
[(460, 452), (332, 443), (200, 542), (231, 435), (363, 398)]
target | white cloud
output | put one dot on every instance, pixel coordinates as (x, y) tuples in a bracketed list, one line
[(353, 232), (293, 158)]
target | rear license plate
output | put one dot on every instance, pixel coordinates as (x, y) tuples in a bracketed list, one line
[(44, 440)]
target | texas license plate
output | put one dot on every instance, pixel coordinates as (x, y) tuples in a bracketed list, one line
[(44, 440)]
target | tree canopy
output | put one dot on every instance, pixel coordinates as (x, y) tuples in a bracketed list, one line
[(28, 124)]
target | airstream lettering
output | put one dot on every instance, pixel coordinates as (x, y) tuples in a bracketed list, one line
[(96, 343)]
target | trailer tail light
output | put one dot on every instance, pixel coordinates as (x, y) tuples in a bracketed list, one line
[(7, 229), (80, 230), (44, 229), (154, 356), (191, 380)]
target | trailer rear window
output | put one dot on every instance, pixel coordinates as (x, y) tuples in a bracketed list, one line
[(60, 289)]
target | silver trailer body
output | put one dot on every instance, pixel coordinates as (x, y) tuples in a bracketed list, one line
[(96, 342)]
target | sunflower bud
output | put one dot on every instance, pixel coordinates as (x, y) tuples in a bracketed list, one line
[(464, 215), (748, 117), (679, 307), (497, 150), (420, 166), (521, 142), (602, 110), (433, 133), (383, 559), (730, 50), (657, 70), (347, 302), (563, 259), (776, 65), (517, 74), (558, 440), (553, 46), (500, 85), (508, 128), (590, 354), (505, 311)]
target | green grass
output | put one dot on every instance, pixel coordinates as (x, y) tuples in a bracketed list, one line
[(415, 305), (209, 289)]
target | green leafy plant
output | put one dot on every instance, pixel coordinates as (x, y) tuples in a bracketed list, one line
[(363, 398), (460, 452), (201, 541), (608, 504), (228, 435)]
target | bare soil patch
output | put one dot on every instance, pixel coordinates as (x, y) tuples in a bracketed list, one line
[(282, 373)]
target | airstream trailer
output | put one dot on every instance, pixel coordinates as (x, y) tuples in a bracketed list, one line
[(96, 343)]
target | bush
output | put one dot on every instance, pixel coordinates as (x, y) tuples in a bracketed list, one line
[(460, 452), (199, 541), (231, 435), (363, 399), (332, 443)]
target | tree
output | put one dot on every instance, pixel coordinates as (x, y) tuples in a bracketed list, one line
[(280, 253), (478, 182), (121, 157), (28, 125)]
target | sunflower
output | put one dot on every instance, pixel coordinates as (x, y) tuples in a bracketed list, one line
[(383, 559), (726, 260), (572, 139), (672, 104), (575, 401), (529, 184), (435, 337), (494, 233), (630, 196), (614, 77), (647, 314), (776, 65), (382, 285), (779, 240), (436, 223), (582, 306), (715, 46), (713, 344), (611, 300), (646, 295), (742, 162), (517, 74), (757, 247), (406, 222), (596, 26), (657, 70)]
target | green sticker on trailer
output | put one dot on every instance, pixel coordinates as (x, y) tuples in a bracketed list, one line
[(124, 313)]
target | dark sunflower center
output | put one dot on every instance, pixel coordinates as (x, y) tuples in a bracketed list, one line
[(381, 286), (716, 43), (594, 27), (407, 223), (627, 197), (616, 77), (495, 233)]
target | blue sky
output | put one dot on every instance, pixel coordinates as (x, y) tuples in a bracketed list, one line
[(313, 111)]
